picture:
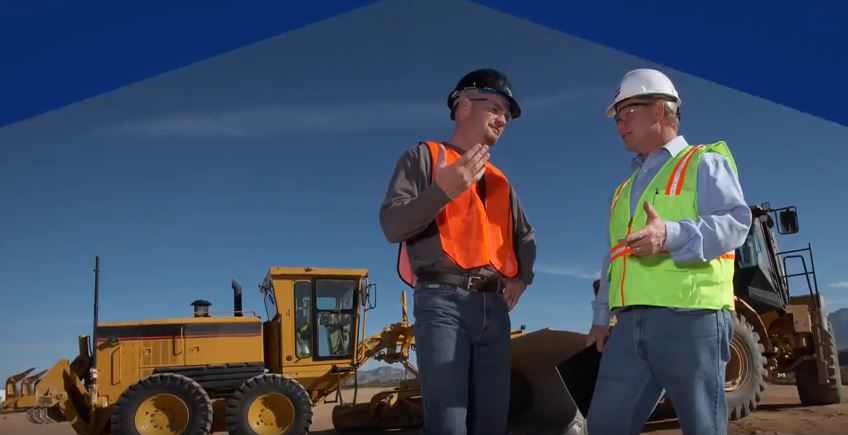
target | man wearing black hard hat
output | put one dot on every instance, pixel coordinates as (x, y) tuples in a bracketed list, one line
[(468, 251)]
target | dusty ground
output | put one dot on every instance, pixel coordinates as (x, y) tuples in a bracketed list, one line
[(780, 413)]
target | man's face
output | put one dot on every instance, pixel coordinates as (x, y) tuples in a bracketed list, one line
[(488, 114), (635, 119)]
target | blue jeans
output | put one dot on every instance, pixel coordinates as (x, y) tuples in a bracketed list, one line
[(462, 349), (683, 352)]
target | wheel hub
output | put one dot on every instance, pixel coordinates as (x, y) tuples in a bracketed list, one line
[(737, 368), (270, 414), (162, 414)]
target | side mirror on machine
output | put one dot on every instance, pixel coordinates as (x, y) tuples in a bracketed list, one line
[(370, 299), (787, 220)]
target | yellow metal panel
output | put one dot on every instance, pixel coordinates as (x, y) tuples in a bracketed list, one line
[(114, 363), (315, 271), (115, 366), (284, 295), (222, 350), (272, 343), (25, 402), (183, 320), (800, 317), (160, 353)]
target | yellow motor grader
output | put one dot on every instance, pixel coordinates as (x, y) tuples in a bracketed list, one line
[(237, 373)]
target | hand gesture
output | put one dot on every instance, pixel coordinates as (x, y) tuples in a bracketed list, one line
[(458, 176)]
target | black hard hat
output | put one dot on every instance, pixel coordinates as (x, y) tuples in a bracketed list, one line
[(486, 80)]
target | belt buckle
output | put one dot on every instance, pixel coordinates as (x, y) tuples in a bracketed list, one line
[(471, 279)]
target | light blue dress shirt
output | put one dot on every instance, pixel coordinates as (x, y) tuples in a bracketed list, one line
[(723, 215)]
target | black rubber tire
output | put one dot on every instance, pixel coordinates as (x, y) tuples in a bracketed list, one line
[(239, 403), (122, 420), (744, 399), (806, 379)]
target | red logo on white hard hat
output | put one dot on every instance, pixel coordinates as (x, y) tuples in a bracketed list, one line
[(617, 91)]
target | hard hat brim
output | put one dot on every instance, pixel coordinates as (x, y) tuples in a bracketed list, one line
[(514, 108), (610, 112)]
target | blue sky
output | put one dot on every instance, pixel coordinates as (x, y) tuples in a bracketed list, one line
[(279, 153)]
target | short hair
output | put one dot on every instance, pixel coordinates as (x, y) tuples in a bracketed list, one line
[(671, 113)]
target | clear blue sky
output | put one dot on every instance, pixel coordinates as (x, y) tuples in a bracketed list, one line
[(279, 153)]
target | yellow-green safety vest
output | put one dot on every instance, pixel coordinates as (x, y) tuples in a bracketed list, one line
[(656, 280)]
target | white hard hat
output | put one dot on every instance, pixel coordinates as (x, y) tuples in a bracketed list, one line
[(643, 82)]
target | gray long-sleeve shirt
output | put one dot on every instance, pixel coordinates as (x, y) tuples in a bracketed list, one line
[(409, 212)]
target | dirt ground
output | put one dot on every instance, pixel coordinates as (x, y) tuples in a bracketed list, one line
[(780, 413)]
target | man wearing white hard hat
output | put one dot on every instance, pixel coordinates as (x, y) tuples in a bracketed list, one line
[(674, 223)]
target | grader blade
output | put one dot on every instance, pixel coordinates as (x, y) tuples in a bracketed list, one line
[(540, 400)]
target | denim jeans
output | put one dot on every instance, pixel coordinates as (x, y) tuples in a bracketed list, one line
[(683, 352), (462, 349)]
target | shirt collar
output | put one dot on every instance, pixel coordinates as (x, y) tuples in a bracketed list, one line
[(672, 149)]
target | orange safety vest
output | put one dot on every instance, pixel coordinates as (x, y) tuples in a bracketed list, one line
[(472, 234)]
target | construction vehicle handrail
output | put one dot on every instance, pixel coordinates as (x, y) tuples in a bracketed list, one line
[(812, 287)]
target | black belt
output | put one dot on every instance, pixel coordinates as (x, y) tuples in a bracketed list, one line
[(475, 283), (636, 307)]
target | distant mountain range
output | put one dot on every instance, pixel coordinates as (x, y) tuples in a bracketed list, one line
[(839, 320), (380, 376)]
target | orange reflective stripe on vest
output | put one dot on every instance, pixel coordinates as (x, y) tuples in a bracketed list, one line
[(618, 192), (675, 181), (474, 234), (619, 251)]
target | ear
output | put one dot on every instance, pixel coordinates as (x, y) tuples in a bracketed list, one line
[(463, 108), (659, 111)]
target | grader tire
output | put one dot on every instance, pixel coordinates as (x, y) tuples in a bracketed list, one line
[(269, 404), (810, 391), (163, 404)]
